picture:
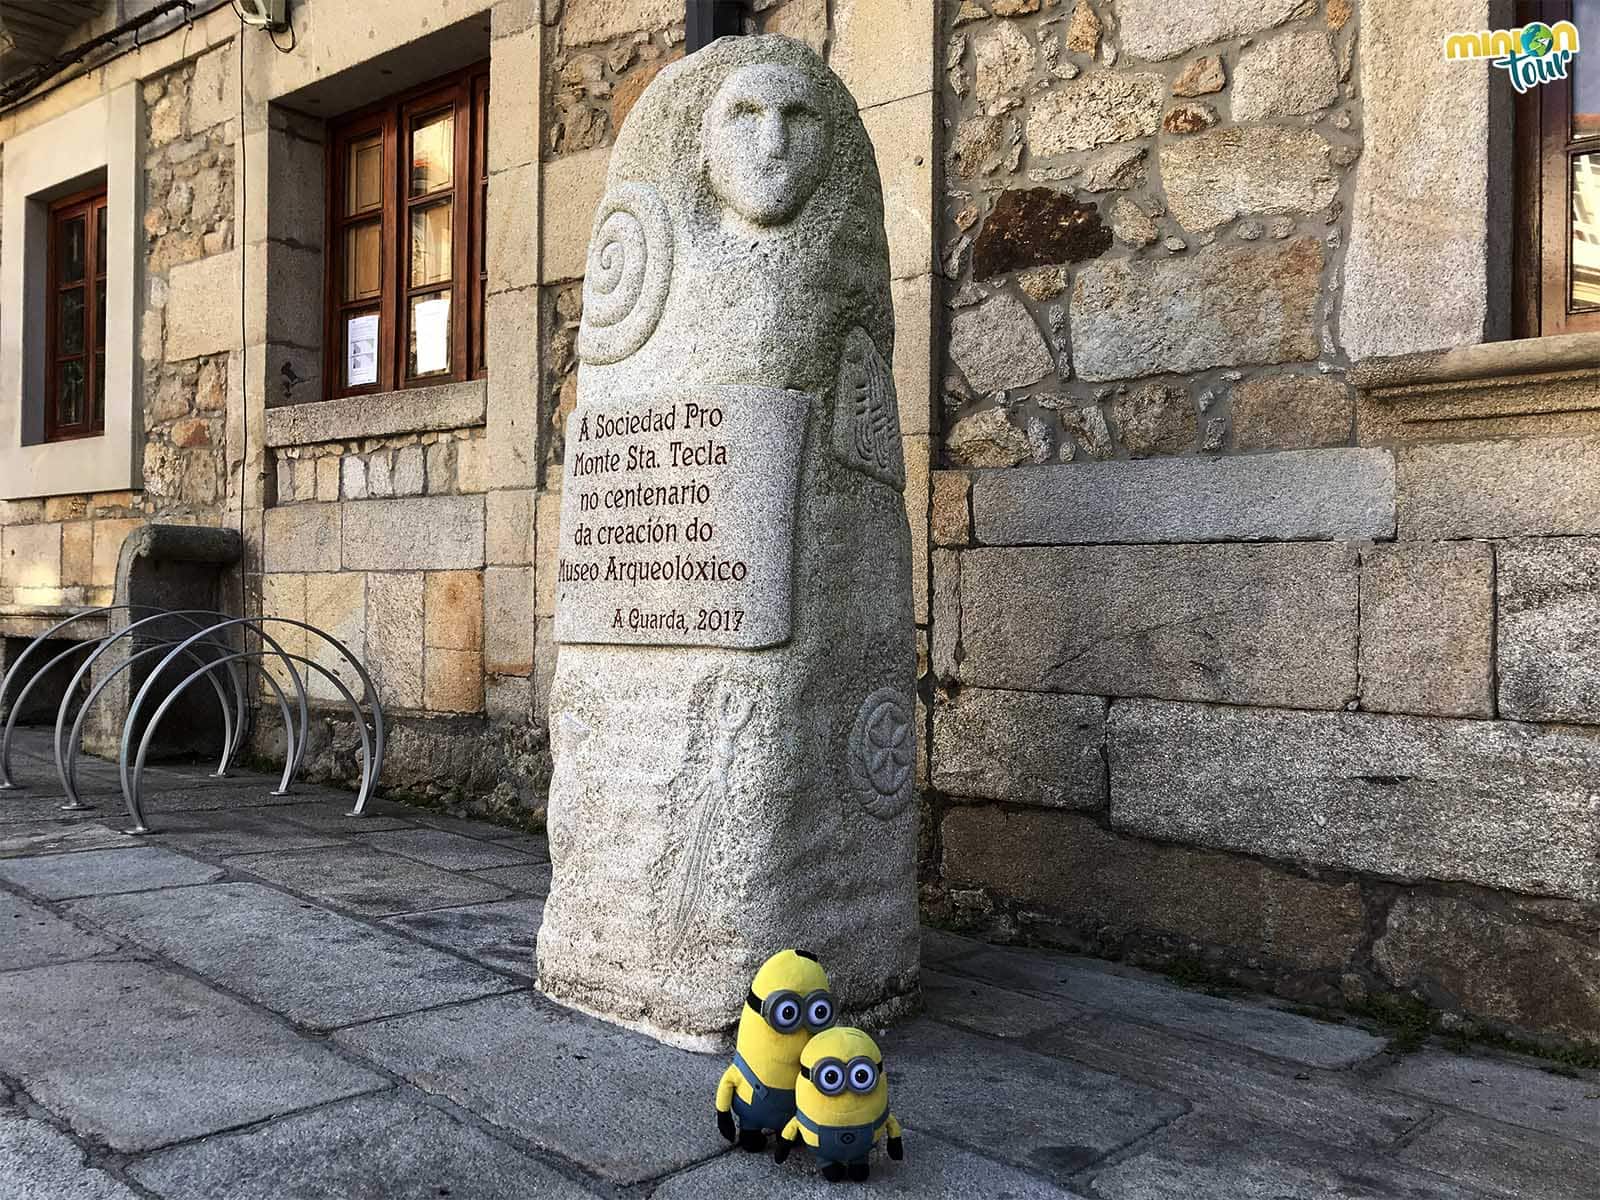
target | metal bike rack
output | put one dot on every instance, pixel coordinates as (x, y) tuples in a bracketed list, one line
[(215, 658)]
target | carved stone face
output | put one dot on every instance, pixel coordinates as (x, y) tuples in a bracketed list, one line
[(766, 141)]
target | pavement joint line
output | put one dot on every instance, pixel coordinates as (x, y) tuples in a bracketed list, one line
[(96, 1155)]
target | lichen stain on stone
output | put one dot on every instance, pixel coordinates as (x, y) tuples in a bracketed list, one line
[(1032, 227)]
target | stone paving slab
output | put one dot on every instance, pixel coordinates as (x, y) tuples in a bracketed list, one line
[(53, 836), (367, 881), (391, 1146), (535, 845), (933, 1169), (31, 936), (39, 1162), (322, 816), (1038, 1112), (447, 851), (1203, 1158), (465, 826), (532, 878), (218, 833), (1503, 1091), (939, 947), (1501, 1160), (320, 969), (32, 807), (628, 1108), (103, 872), (140, 1056), (1144, 999), (501, 935), (1332, 1106)]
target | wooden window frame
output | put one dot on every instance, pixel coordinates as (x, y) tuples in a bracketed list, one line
[(89, 204), (1542, 239), (465, 93)]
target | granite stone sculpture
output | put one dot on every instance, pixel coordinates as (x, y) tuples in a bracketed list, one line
[(733, 707)]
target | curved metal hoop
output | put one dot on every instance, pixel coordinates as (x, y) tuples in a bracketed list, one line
[(372, 756), (135, 798)]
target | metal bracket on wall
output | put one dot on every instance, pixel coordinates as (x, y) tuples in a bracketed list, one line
[(216, 645)]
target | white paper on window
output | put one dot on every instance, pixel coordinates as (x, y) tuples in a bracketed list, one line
[(361, 350), (430, 326)]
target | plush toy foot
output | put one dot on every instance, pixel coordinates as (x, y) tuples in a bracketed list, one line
[(833, 1172), (753, 1140), (859, 1171)]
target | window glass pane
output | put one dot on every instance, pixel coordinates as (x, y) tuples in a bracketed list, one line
[(69, 393), (1585, 69), (1586, 231), (363, 261), (100, 386), (429, 338), (364, 182), (72, 250), (100, 316), (100, 241), (432, 151), (430, 244), (361, 350), (69, 323)]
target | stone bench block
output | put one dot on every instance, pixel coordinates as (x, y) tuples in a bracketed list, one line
[(1242, 624), (1300, 495), (1025, 747), (1494, 803)]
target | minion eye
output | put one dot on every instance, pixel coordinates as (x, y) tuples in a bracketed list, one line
[(830, 1079), (819, 1013), (786, 1016), (863, 1076)]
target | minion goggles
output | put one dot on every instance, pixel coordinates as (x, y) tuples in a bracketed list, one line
[(786, 1011), (830, 1076)]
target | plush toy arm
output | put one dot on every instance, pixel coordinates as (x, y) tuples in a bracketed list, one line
[(724, 1104), (786, 1140), (896, 1147)]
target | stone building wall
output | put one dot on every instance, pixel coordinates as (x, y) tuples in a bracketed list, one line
[(1255, 654)]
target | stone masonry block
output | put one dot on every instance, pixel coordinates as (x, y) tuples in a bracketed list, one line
[(1548, 640), (196, 323), (914, 372), (425, 533), (883, 49), (1272, 624), (1427, 629), (508, 528), (547, 537), (32, 556), (337, 605), (108, 538), (573, 185), (454, 606), (1101, 882), (77, 554), (1022, 747), (951, 523), (514, 435), (514, 98), (395, 635), (513, 232), (918, 454), (902, 139), (302, 537), (1493, 965), (1292, 496), (508, 620), (1524, 488), (1499, 804), (454, 681)]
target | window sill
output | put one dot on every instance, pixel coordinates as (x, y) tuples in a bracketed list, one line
[(1521, 388), (379, 414)]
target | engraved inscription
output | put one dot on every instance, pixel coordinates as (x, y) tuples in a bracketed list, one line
[(882, 748), (866, 420), (677, 519)]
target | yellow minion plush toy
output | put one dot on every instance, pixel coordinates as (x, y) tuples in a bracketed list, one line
[(788, 1002), (841, 1105)]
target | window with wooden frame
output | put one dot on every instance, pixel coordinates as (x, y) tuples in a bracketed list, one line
[(1556, 280), (406, 272), (75, 321)]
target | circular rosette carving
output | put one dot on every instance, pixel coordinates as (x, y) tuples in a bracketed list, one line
[(883, 745), (630, 267)]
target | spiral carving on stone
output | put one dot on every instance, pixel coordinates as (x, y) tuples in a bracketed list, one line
[(630, 268)]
